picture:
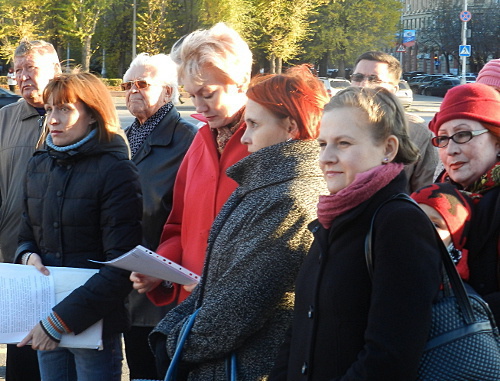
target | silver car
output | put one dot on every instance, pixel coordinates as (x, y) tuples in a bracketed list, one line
[(405, 94)]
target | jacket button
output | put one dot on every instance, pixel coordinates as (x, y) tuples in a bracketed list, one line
[(59, 193), (55, 224), (304, 368), (310, 312), (58, 255)]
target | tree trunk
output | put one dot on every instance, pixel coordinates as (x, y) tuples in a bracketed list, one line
[(86, 53), (323, 65), (279, 65), (272, 64), (342, 73)]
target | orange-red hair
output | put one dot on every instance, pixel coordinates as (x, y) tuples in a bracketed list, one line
[(297, 94)]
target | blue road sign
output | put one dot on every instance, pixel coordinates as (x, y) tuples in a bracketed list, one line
[(464, 51)]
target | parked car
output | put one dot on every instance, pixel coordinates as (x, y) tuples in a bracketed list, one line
[(441, 86), (332, 73), (418, 88), (468, 78), (405, 94), (413, 82), (7, 97), (410, 74), (334, 85)]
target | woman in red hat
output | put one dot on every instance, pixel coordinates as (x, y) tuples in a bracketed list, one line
[(467, 130)]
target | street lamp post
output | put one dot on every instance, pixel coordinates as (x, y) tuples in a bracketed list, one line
[(464, 42), (134, 33), (103, 70)]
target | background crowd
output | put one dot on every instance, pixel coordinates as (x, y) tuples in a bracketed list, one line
[(278, 237)]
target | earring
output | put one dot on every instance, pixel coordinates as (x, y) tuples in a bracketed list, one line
[(385, 161)]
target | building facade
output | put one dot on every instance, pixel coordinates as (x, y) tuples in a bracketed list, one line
[(438, 34)]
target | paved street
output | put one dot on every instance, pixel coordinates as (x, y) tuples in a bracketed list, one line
[(423, 106), (126, 119)]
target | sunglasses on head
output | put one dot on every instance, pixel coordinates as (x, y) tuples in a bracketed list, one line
[(140, 84)]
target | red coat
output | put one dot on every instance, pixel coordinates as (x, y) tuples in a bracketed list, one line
[(200, 190)]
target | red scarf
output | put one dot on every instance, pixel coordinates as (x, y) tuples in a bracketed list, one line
[(489, 180), (365, 185)]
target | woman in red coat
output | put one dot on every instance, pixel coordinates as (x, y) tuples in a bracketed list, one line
[(215, 68)]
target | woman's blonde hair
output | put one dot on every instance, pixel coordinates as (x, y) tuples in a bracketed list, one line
[(385, 115), (219, 47), (88, 89)]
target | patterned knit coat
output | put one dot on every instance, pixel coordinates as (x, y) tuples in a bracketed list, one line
[(255, 248)]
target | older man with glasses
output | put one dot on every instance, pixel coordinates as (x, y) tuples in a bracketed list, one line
[(373, 69), (35, 64), (159, 139)]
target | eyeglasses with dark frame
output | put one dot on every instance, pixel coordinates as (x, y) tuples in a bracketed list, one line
[(140, 84), (373, 79), (460, 137)]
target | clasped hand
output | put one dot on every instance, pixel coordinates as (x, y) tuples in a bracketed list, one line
[(145, 283)]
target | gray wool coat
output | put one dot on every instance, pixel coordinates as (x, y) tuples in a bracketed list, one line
[(255, 248)]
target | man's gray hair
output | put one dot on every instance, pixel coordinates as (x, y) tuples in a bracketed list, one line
[(165, 71), (27, 47)]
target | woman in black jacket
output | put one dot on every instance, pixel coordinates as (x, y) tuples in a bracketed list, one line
[(82, 202), (347, 326)]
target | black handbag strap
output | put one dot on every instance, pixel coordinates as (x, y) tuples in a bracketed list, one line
[(457, 285)]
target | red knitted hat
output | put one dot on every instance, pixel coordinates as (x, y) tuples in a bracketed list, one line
[(452, 205), (490, 73), (456, 209), (473, 101)]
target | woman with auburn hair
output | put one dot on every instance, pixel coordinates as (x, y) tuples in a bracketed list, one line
[(82, 202), (259, 239)]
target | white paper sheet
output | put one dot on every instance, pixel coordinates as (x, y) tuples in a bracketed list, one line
[(147, 262), (27, 296)]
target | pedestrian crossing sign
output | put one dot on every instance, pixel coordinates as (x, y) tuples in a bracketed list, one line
[(464, 51)]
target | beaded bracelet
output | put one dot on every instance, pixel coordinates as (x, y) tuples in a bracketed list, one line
[(26, 257)]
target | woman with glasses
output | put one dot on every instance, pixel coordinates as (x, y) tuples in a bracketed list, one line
[(467, 129), (214, 65), (82, 202), (159, 139)]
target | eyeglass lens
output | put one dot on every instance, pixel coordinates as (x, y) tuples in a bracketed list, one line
[(139, 84), (358, 77), (460, 137)]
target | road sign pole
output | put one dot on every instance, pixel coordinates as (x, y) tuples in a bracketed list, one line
[(464, 42)]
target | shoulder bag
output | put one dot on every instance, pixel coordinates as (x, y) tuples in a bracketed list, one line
[(463, 343)]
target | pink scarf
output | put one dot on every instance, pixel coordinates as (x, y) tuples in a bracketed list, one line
[(365, 185)]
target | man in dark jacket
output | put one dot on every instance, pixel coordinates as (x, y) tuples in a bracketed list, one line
[(159, 139), (381, 69), (35, 64)]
